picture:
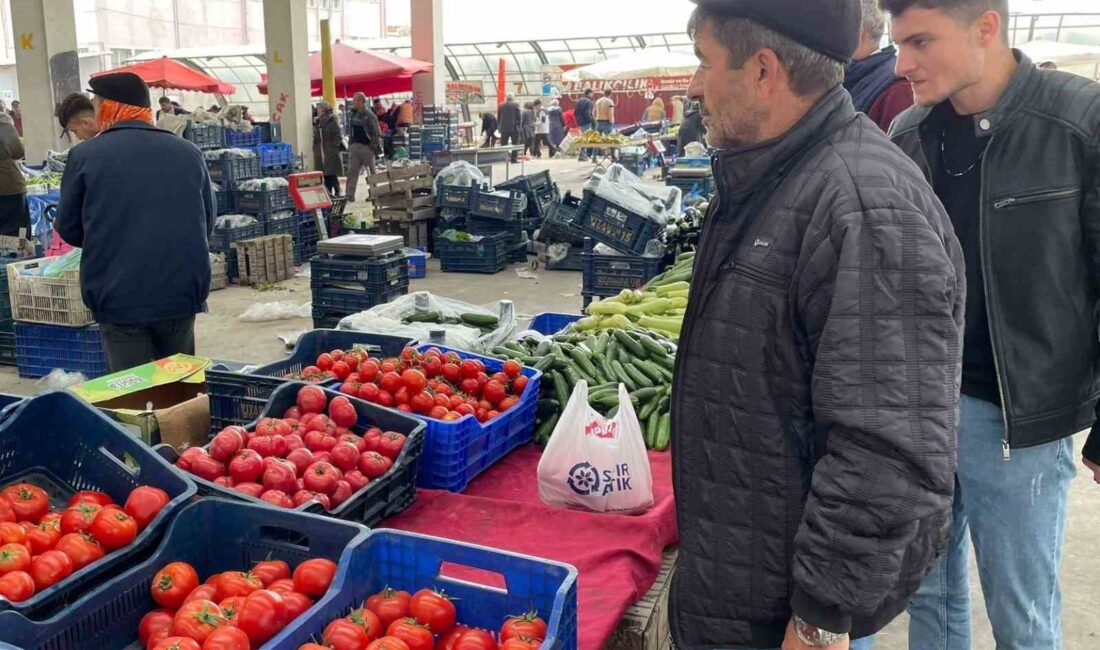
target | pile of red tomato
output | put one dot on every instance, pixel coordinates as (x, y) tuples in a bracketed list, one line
[(430, 383), (305, 456), (426, 620), (40, 547), (234, 610)]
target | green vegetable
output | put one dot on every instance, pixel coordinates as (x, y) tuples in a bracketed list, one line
[(480, 320), (639, 377), (653, 348), (426, 317), (560, 387), (603, 308), (546, 430), (616, 322), (664, 433), (630, 344)]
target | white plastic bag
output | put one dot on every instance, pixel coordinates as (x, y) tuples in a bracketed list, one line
[(596, 463)]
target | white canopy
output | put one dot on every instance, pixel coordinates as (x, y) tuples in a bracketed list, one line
[(640, 64), (1079, 59)]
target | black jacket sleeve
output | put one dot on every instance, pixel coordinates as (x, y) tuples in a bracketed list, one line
[(1090, 220), (885, 396), (70, 211)]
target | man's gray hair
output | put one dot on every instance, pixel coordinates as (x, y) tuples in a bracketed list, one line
[(874, 19), (811, 73), (359, 96), (324, 107)]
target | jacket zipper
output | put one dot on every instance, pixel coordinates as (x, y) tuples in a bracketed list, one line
[(1006, 447), (1035, 198)]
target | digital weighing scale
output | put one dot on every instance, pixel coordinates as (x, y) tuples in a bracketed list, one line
[(309, 194), (362, 245)]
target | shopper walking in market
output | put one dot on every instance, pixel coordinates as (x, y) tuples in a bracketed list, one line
[(364, 142), (527, 128), (604, 111), (557, 123), (813, 415), (509, 117), (870, 78), (542, 130), (328, 143), (586, 121), (1012, 152), (138, 201), (14, 214)]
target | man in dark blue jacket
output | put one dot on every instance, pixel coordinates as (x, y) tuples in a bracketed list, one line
[(583, 112), (138, 200)]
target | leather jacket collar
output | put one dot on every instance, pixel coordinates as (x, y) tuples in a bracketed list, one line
[(989, 122)]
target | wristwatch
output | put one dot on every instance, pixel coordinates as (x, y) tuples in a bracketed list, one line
[(813, 636)]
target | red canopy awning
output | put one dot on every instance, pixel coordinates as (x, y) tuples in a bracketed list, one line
[(365, 71), (169, 73)]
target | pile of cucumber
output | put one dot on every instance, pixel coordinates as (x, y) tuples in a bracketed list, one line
[(642, 361)]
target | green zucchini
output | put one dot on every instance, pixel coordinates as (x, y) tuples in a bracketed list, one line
[(630, 344), (480, 320)]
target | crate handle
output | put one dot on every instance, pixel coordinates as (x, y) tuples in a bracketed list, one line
[(284, 536), (125, 461), (463, 574)]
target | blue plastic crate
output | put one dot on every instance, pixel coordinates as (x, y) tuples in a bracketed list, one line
[(227, 171), (246, 534), (205, 136), (417, 263), (234, 138), (352, 301), (455, 452), (323, 319), (381, 498), (225, 201), (530, 184), (63, 444), (514, 585), (264, 201), (374, 272), (275, 155), (39, 349), (550, 323), (608, 275), (505, 208), (454, 196), (7, 348), (240, 398), (286, 226), (490, 255), (615, 226), (480, 226), (559, 225), (223, 238)]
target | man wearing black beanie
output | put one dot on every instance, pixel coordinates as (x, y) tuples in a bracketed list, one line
[(817, 386)]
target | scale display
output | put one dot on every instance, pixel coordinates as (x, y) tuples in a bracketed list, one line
[(308, 191)]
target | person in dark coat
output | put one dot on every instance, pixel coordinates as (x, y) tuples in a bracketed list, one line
[(139, 202), (814, 462), (557, 123), (328, 142), (527, 128), (691, 129), (14, 214), (489, 129), (870, 78), (509, 117)]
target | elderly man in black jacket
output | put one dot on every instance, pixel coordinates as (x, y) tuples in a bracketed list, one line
[(816, 392), (509, 117)]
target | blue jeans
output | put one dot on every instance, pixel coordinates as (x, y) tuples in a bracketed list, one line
[(865, 643), (1015, 513)]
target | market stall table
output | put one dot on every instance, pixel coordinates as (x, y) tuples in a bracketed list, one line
[(617, 557), (478, 157)]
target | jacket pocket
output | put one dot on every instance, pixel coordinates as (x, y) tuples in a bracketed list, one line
[(761, 276), (1037, 197)]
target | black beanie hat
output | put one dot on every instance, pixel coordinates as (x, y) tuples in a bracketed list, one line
[(124, 87), (831, 27)]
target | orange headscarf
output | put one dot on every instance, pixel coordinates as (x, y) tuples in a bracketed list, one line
[(112, 112)]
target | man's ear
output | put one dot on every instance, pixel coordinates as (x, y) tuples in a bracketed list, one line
[(766, 72)]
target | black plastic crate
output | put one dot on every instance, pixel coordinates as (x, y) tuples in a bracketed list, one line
[(227, 171), (206, 136), (352, 301), (489, 255), (492, 206), (607, 275), (225, 202), (269, 131), (286, 226), (325, 319), (454, 196), (529, 184), (264, 201), (573, 260), (518, 254), (329, 270), (615, 226), (511, 230), (559, 224), (7, 348), (223, 238)]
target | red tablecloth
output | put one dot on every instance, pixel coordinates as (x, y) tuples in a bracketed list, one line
[(617, 556)]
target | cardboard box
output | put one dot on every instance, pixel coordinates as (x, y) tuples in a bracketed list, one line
[(645, 625), (163, 401)]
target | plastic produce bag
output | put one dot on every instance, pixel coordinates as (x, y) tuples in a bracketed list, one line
[(460, 173), (261, 312), (262, 184), (58, 379), (425, 317), (622, 188), (234, 221), (596, 463)]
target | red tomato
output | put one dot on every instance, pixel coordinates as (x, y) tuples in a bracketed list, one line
[(438, 412), (227, 638), (269, 571), (389, 605), (494, 392), (391, 445), (475, 640), (196, 619), (529, 625), (470, 386), (388, 643), (173, 583), (374, 465), (311, 399), (512, 369), (204, 466), (342, 634), (7, 515), (369, 392), (14, 557), (433, 609), (236, 583), (228, 442), (207, 591), (28, 502), (43, 537), (282, 586), (341, 369), (422, 403), (12, 533), (262, 616), (280, 475), (178, 643), (325, 361), (345, 456), (321, 477), (367, 620), (368, 372), (16, 586), (519, 385), (414, 380), (313, 577), (508, 402), (465, 409), (114, 529), (246, 467), (92, 496), (293, 413), (296, 604), (390, 382), (302, 497), (188, 456), (357, 480), (354, 440), (277, 498), (402, 396), (230, 608), (54, 518), (341, 411), (415, 635), (521, 643), (313, 646), (156, 621), (79, 518), (81, 549), (341, 494), (385, 399), (251, 489), (500, 378), (469, 369), (451, 373), (50, 568), (145, 503)]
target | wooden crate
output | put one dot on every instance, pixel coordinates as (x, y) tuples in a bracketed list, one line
[(219, 273), (265, 259), (645, 625), (414, 232)]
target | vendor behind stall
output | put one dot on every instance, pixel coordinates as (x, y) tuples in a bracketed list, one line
[(77, 117), (138, 200)]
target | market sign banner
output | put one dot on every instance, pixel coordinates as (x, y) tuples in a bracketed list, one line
[(465, 92), (648, 85)]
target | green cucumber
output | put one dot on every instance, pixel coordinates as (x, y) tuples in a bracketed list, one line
[(651, 370), (651, 425), (664, 433), (620, 372), (653, 348), (548, 406), (543, 348), (582, 359), (480, 320), (630, 344), (546, 430), (638, 376), (560, 387)]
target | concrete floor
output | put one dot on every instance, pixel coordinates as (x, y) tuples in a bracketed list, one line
[(221, 335)]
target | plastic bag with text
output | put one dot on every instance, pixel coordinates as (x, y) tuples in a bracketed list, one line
[(596, 463)]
